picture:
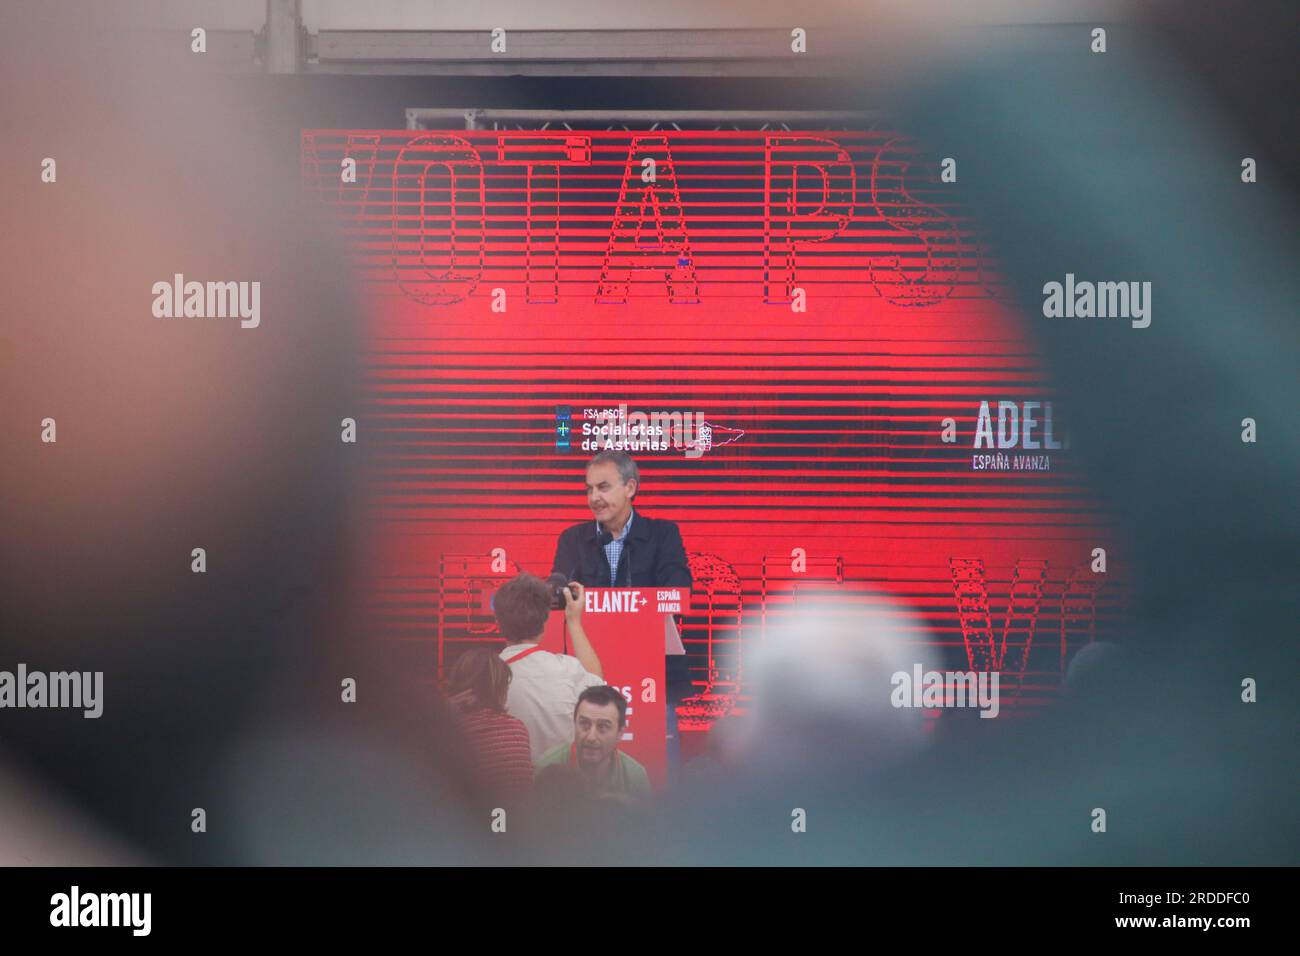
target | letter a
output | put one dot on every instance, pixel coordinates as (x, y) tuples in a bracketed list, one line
[(48, 431), (648, 690), (949, 433), (798, 300), (1052, 304), (162, 303), (1098, 560), (48, 171), (799, 820), (798, 40), (59, 915), (1098, 40), (1247, 170), (498, 40), (901, 695), (1098, 820), (200, 563), (498, 560), (349, 435), (984, 427), (499, 820), (498, 300), (199, 38), (1248, 690), (799, 562), (348, 174), (1248, 429), (648, 235), (949, 167), (199, 820), (349, 695)]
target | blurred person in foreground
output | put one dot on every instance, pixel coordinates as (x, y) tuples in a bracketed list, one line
[(228, 735), (1123, 165), (496, 742)]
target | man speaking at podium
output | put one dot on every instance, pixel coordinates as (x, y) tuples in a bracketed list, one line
[(622, 548)]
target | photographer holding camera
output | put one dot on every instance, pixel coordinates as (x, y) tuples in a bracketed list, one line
[(544, 687)]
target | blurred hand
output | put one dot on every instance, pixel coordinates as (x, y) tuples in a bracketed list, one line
[(575, 597)]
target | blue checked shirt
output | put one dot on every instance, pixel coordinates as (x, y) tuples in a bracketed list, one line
[(614, 550)]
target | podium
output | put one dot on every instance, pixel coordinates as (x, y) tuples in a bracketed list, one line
[(631, 630)]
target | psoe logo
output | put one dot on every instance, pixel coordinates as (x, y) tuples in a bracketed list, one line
[(75, 908), (946, 689), (707, 437), (637, 431)]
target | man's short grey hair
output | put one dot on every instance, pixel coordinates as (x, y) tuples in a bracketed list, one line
[(627, 469)]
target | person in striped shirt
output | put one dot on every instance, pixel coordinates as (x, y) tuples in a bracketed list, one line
[(496, 743)]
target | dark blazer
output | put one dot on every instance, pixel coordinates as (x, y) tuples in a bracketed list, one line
[(653, 555)]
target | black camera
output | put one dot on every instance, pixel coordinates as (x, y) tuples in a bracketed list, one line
[(557, 584)]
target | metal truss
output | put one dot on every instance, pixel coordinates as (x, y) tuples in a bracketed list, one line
[(504, 119), (284, 45)]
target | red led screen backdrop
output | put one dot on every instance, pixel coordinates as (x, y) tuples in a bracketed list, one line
[(798, 335)]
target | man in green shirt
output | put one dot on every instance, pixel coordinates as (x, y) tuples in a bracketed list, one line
[(598, 721)]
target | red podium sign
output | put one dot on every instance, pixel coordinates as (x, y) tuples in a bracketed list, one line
[(628, 627)]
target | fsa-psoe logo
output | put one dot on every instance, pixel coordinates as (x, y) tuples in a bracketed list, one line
[(706, 437), (614, 427)]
